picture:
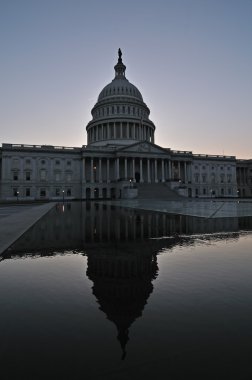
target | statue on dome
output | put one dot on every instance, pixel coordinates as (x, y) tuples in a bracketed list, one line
[(119, 56)]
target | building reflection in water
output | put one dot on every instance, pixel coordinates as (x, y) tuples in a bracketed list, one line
[(121, 246)]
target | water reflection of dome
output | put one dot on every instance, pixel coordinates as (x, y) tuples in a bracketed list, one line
[(122, 286)]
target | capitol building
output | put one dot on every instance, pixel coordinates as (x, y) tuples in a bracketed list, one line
[(120, 160)]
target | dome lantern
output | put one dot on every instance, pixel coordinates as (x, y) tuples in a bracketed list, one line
[(120, 68)]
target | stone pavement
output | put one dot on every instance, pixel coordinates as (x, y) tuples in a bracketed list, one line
[(17, 219), (217, 208)]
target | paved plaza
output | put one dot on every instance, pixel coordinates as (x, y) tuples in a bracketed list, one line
[(15, 220)]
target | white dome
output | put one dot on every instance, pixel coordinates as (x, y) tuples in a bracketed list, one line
[(120, 87)]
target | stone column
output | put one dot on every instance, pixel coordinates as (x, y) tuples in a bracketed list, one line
[(179, 170), (117, 169), (108, 179), (162, 163), (141, 170), (170, 169), (125, 168), (133, 168), (114, 126), (127, 130), (84, 170), (185, 164), (148, 171), (155, 169), (92, 170), (100, 170), (134, 130), (121, 131)]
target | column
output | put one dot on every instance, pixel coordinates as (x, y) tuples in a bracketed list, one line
[(170, 169), (133, 168), (148, 171), (179, 171), (114, 126), (117, 169), (155, 170), (92, 170), (134, 131), (125, 168), (127, 130), (108, 179), (185, 164), (84, 170), (141, 170), (162, 163), (100, 170)]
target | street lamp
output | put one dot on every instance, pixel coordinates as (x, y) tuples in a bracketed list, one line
[(130, 182), (63, 195), (17, 195), (94, 173)]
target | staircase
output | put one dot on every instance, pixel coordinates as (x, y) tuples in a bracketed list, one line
[(156, 191)]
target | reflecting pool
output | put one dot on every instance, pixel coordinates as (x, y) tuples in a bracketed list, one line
[(98, 292)]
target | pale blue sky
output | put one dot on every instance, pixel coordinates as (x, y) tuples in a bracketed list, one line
[(191, 59)]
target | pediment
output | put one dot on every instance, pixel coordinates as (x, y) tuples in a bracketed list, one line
[(144, 147)]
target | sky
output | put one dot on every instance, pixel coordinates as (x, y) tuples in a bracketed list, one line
[(191, 60)]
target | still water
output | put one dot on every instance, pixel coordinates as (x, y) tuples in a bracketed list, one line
[(97, 292)]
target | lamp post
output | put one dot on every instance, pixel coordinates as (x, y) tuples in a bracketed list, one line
[(63, 195), (130, 183), (17, 195)]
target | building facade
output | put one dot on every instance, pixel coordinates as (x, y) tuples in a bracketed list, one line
[(120, 158)]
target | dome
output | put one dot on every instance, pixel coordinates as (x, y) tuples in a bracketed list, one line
[(120, 116), (121, 87)]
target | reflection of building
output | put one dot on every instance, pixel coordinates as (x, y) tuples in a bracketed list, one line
[(122, 284), (120, 152), (78, 226)]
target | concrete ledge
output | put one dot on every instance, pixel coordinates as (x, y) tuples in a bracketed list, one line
[(14, 225)]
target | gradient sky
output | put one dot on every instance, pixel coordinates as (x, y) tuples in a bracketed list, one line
[(191, 60)]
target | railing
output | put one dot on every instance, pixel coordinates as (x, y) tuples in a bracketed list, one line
[(28, 146)]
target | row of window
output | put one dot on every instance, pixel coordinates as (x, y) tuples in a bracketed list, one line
[(58, 176), (28, 161), (112, 131), (42, 192), (212, 178), (106, 111), (120, 90), (213, 192), (196, 167)]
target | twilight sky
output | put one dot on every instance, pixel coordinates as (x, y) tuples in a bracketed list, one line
[(191, 60)]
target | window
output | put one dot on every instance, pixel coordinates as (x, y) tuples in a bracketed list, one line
[(196, 176), (42, 192), (196, 167), (27, 176), (222, 178), (69, 193), (42, 175), (69, 177), (57, 162), (15, 176), (57, 176), (43, 162), (222, 191), (27, 192), (57, 192), (204, 178), (69, 163), (118, 109), (229, 178), (27, 161), (204, 191)]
